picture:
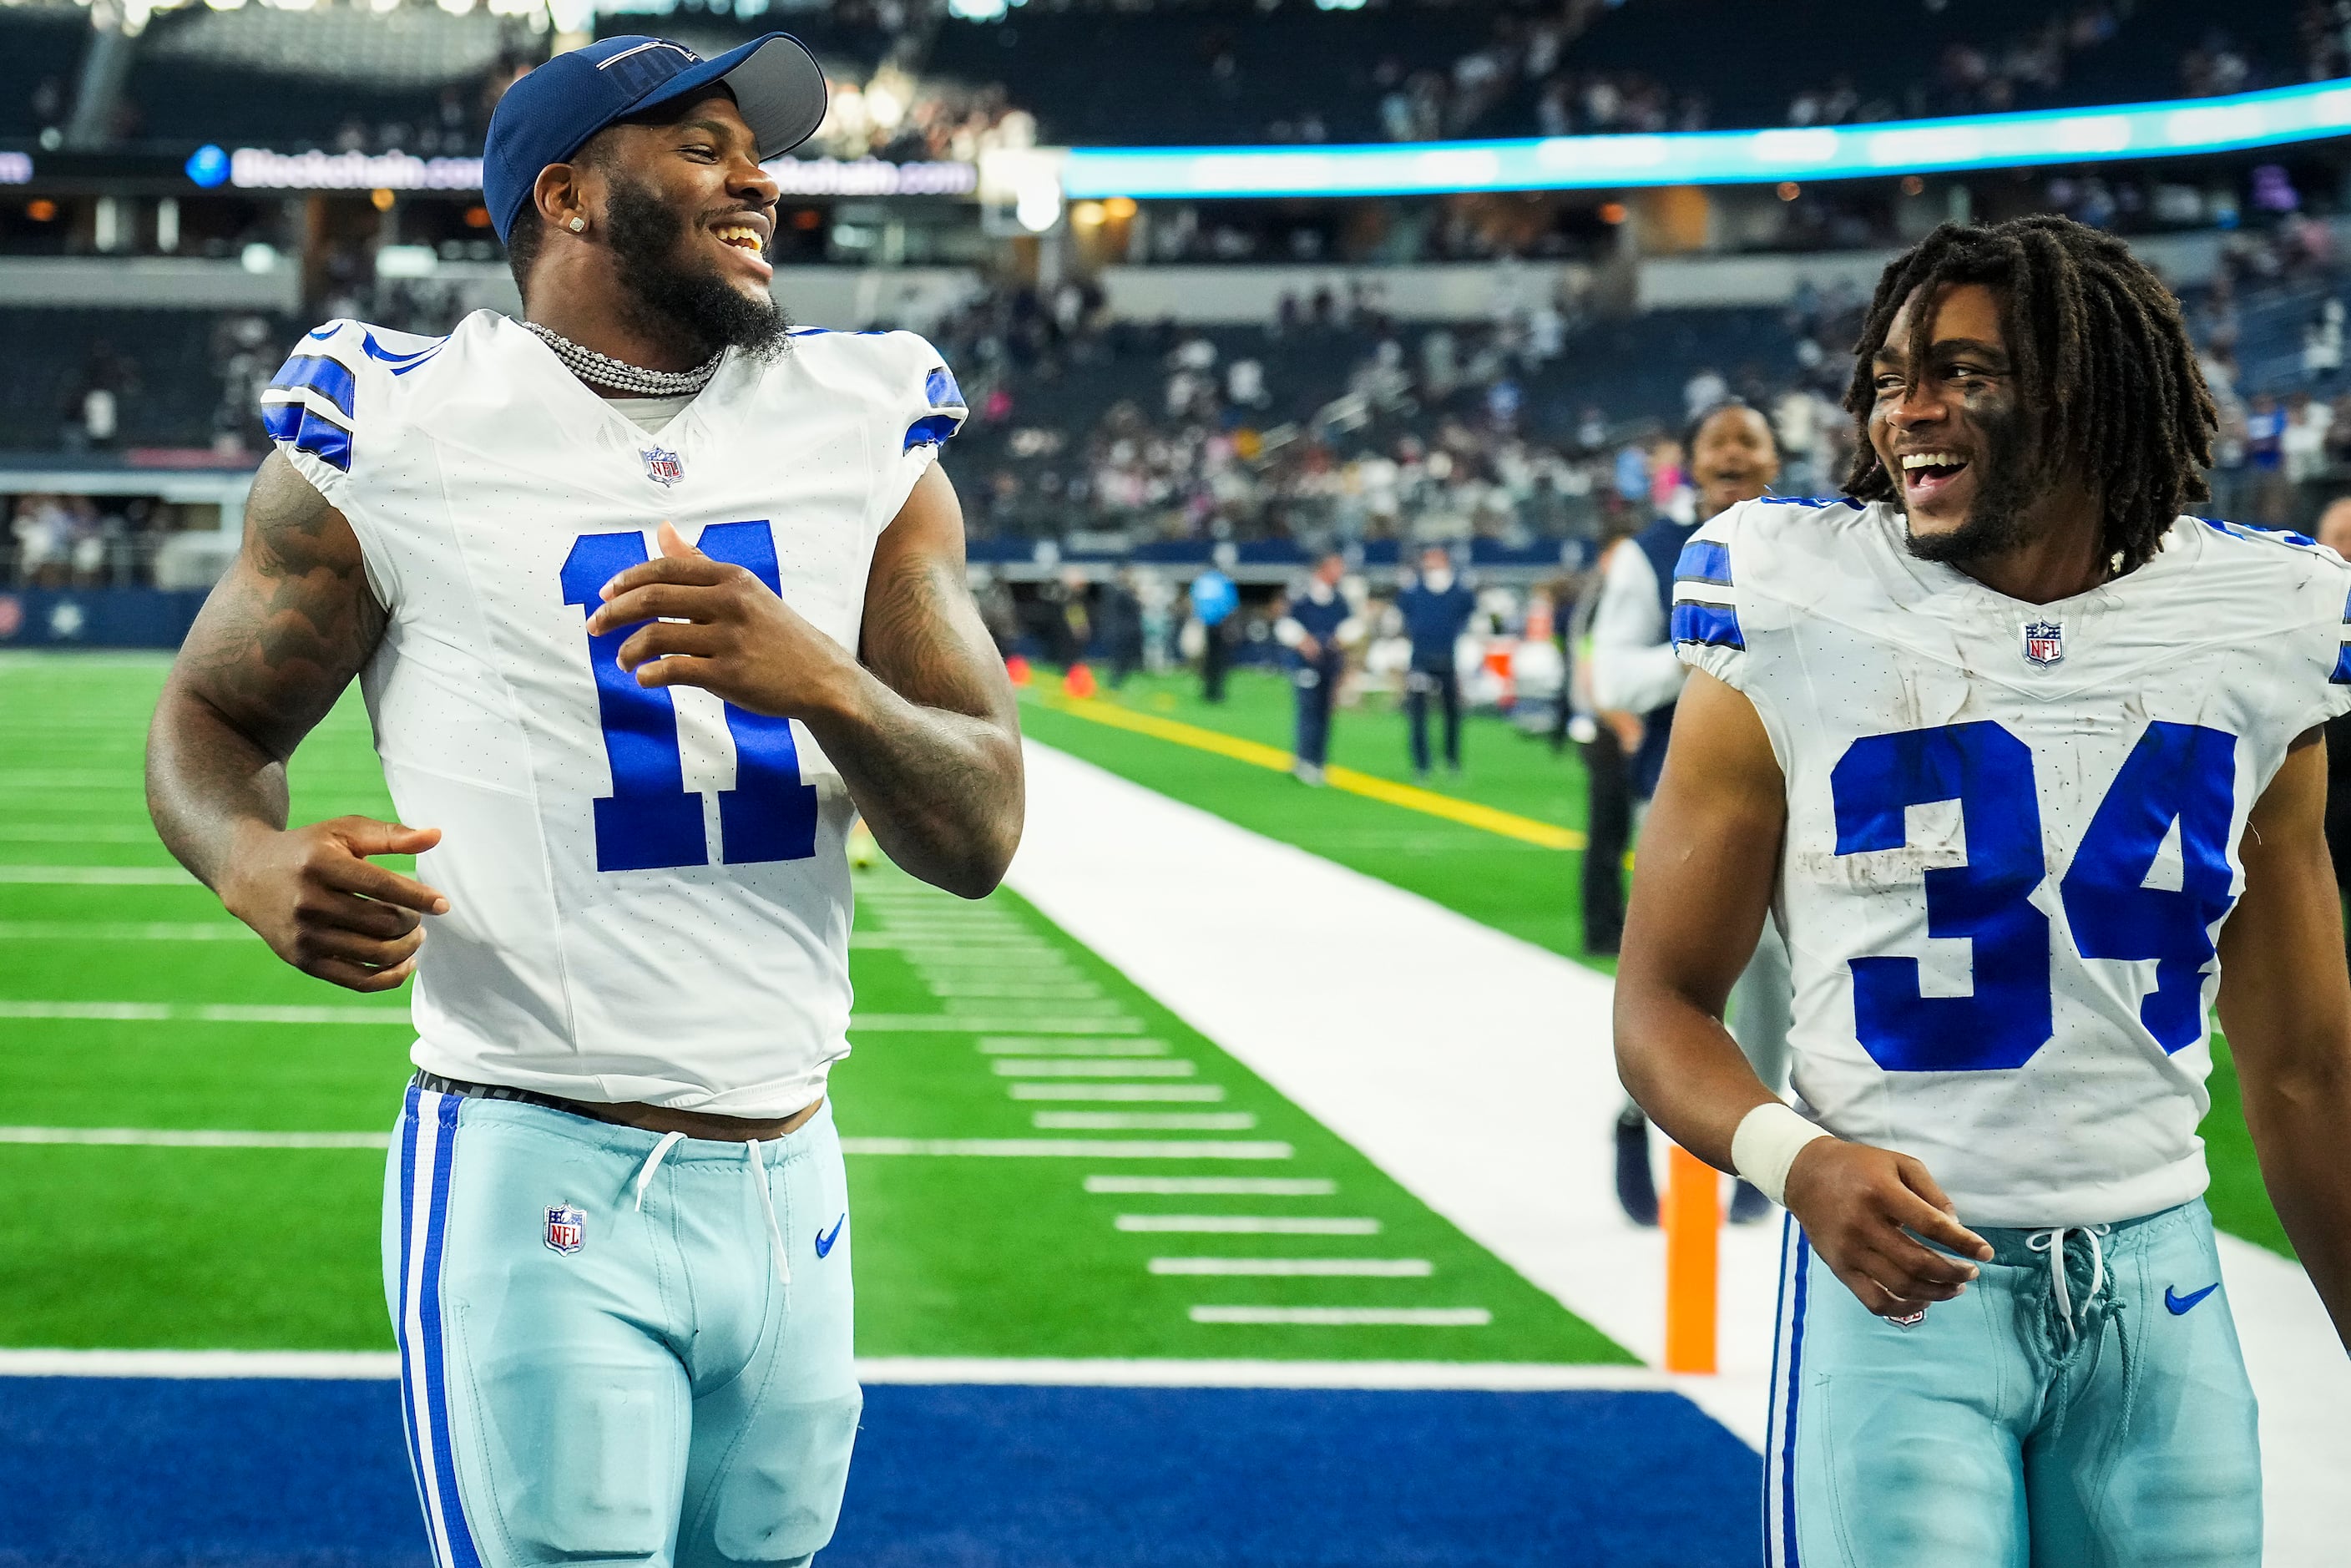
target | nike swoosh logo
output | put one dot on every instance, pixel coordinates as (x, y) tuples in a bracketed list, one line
[(825, 1238), (2179, 1304)]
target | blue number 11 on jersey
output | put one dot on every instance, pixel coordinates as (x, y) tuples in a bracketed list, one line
[(2177, 773), (651, 820)]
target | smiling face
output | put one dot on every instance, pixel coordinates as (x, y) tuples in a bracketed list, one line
[(688, 213), (1732, 458), (1952, 431)]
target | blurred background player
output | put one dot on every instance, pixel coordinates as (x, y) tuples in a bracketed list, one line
[(2007, 701), (1606, 739), (1215, 598), (1733, 457), (1436, 607), (624, 1309), (1317, 625)]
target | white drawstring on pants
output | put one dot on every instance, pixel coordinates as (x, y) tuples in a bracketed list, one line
[(2052, 1241), (756, 1164), (653, 1163), (758, 1168)]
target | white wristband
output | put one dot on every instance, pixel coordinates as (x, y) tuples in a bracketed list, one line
[(1767, 1143)]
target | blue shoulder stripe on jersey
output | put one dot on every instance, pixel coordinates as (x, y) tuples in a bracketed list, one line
[(939, 387), (1808, 500), (837, 332), (932, 431), (1713, 625), (303, 429), (401, 363), (2342, 675), (330, 377), (1703, 560), (2260, 531)]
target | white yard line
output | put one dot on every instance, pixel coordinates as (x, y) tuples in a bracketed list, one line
[(1074, 1149), (1125, 1093), (1476, 1068), (1298, 1268), (1009, 1372), (186, 1012), (194, 1138), (1249, 1224), (1219, 1187), (98, 875), (1349, 1317)]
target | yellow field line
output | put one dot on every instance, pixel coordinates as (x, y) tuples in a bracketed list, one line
[(1468, 813)]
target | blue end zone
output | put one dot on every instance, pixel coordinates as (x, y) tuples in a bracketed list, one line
[(118, 1470)]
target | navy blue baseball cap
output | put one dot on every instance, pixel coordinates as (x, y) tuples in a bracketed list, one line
[(552, 112)]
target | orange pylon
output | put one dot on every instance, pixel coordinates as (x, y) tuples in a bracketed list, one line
[(1692, 1216)]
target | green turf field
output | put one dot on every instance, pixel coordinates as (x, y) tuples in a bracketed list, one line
[(1004, 1084), (1515, 887)]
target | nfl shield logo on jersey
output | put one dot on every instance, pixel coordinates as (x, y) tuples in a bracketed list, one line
[(567, 1228), (2044, 641), (662, 466)]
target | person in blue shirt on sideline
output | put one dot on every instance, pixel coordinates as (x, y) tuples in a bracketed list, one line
[(1436, 609), (1214, 600), (1317, 626)]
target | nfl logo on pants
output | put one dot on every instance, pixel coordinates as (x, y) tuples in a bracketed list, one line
[(567, 1228), (2044, 641)]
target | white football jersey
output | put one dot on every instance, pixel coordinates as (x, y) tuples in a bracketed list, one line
[(649, 896), (2012, 832)]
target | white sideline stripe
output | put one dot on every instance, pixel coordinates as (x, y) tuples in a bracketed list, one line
[(194, 1138), (1299, 1268), (1249, 1224), (981, 1023), (1195, 1094), (1143, 1120), (1081, 1068), (125, 930), (74, 833), (1226, 1187), (1012, 992), (1530, 1084), (1349, 1317), (1013, 1149), (1496, 1376), (173, 1012), (1080, 1046), (99, 875), (1073, 1148)]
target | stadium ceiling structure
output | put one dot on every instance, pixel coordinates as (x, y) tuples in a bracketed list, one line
[(2178, 127)]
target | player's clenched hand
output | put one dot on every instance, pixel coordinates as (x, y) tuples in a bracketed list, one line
[(711, 623), (313, 896), (1858, 1205)]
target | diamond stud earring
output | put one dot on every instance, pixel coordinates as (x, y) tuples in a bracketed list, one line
[(578, 225)]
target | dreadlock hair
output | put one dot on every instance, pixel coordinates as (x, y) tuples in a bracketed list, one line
[(2103, 369)]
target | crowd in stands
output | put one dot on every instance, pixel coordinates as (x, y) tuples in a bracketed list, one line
[(1333, 421)]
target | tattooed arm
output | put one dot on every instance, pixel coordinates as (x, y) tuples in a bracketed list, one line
[(279, 639), (922, 725)]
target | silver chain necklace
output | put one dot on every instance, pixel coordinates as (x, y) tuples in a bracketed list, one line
[(618, 375)]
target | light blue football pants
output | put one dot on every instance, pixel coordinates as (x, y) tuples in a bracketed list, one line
[(619, 1346), (1993, 1435)]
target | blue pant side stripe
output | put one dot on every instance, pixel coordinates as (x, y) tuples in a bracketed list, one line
[(444, 1461), (399, 1309), (1796, 1382)]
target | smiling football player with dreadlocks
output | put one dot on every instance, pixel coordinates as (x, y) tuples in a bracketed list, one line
[(2024, 763)]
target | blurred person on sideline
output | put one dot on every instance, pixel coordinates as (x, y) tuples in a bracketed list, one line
[(1436, 607), (1118, 626), (1733, 457), (1318, 626), (1214, 600), (1606, 740)]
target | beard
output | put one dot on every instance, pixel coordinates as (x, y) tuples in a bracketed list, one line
[(689, 310), (1997, 521)]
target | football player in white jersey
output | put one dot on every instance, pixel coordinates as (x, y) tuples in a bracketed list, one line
[(2024, 766), (648, 596)]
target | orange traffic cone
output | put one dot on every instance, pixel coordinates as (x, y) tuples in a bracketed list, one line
[(1017, 668), (1078, 683)]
